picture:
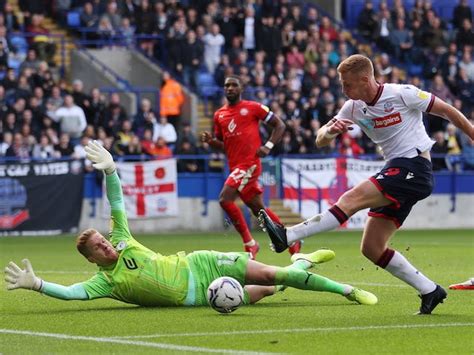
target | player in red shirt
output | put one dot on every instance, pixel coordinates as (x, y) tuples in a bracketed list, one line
[(236, 131)]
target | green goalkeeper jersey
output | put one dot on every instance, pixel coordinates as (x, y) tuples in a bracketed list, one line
[(140, 276)]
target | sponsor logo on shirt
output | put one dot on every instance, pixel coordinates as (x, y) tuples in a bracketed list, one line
[(386, 121), (423, 95), (388, 107), (231, 127)]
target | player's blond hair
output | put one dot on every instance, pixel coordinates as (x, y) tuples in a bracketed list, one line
[(356, 64), (82, 239)]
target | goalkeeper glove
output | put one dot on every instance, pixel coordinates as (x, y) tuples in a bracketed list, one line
[(100, 157), (18, 278)]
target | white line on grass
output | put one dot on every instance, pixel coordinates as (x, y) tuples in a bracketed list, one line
[(129, 342), (64, 272), (301, 330)]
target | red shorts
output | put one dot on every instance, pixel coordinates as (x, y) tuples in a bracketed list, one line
[(245, 180)]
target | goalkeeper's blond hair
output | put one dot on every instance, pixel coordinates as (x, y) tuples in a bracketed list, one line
[(81, 241)]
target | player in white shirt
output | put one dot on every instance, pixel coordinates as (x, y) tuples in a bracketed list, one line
[(391, 116)]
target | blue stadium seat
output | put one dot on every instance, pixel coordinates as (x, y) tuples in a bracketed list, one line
[(73, 19), (19, 44), (206, 85)]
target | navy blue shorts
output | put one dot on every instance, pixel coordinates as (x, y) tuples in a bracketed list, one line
[(405, 181)]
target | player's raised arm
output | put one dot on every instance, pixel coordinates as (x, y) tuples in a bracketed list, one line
[(102, 160), (17, 277), (450, 113)]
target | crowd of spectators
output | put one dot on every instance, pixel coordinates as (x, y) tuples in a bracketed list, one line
[(286, 54)]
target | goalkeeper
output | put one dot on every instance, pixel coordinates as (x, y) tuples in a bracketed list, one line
[(132, 273)]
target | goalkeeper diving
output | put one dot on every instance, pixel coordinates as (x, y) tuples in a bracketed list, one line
[(132, 273)]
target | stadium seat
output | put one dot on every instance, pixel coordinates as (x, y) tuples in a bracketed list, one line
[(19, 44), (73, 19), (206, 85)]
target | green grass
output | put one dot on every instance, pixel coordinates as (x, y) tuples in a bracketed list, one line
[(290, 322)]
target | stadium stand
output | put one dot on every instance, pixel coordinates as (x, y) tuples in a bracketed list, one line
[(287, 55)]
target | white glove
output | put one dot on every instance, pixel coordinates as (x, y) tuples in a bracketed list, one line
[(18, 278), (101, 158)]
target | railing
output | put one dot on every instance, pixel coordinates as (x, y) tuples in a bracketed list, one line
[(206, 183)]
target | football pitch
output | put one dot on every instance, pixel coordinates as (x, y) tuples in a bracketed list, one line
[(292, 321)]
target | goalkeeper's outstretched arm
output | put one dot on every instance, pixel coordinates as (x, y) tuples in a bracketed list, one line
[(16, 278)]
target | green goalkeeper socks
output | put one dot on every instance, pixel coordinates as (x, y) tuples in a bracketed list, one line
[(303, 280), (299, 265)]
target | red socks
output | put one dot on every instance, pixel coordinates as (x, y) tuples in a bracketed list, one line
[(238, 220)]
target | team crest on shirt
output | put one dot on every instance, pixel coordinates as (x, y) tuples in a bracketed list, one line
[(121, 245), (388, 107), (244, 112), (231, 127)]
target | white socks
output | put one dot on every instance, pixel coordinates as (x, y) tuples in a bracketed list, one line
[(323, 222), (401, 268)]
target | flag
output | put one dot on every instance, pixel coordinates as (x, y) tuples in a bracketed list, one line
[(149, 188)]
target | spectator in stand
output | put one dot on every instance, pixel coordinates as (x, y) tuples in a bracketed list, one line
[(80, 97), (453, 139), (3, 58), (249, 24), (95, 113), (19, 148), (123, 138), (114, 115), (461, 12), (467, 64), (64, 147), (439, 150), (401, 41), (43, 149), (186, 165), (71, 119), (55, 101), (384, 28), (367, 21), (112, 15), (161, 18), (88, 18), (160, 149), (227, 25), (10, 124), (128, 9), (7, 139), (105, 30), (468, 149), (171, 99), (213, 43), (134, 148), (11, 20), (127, 33), (465, 35), (191, 59), (41, 43), (327, 30), (166, 130), (145, 25), (187, 133), (144, 119), (348, 146)]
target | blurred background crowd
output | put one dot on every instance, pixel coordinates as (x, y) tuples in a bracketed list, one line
[(286, 53)]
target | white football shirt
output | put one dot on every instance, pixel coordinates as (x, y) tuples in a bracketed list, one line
[(394, 119)]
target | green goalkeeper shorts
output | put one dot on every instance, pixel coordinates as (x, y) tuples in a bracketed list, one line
[(206, 266)]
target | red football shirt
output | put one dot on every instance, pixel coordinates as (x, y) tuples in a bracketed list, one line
[(238, 127)]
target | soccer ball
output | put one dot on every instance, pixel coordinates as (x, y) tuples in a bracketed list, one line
[(225, 294)]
